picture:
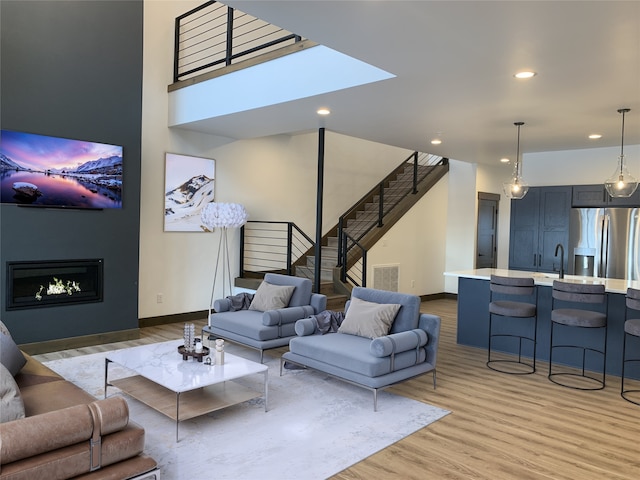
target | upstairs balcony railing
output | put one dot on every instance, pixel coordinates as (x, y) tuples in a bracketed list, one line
[(214, 35)]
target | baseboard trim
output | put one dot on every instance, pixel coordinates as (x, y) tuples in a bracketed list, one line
[(174, 318), (56, 345)]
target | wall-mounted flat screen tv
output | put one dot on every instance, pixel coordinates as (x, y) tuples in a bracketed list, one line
[(45, 171)]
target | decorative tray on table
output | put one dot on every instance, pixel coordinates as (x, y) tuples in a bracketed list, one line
[(197, 355)]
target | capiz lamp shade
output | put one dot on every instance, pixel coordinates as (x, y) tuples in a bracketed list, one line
[(223, 215), (516, 188), (621, 184)]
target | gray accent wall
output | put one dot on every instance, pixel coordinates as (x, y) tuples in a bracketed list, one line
[(73, 69)]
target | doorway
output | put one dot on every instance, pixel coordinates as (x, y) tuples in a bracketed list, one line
[(487, 239)]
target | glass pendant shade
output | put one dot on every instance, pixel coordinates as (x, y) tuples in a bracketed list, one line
[(621, 184), (516, 188)]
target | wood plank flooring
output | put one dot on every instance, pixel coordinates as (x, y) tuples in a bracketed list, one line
[(501, 426)]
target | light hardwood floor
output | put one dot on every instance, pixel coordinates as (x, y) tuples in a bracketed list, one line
[(501, 426)]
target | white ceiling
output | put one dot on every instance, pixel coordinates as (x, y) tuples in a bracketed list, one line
[(454, 63)]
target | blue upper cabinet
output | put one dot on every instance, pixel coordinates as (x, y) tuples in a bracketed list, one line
[(586, 196), (539, 222), (589, 196)]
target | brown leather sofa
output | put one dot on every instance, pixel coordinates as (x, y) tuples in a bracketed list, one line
[(67, 433)]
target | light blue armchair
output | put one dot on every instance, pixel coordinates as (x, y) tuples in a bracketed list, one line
[(366, 358), (266, 329)]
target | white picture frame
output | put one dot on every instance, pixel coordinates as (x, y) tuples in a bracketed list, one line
[(189, 186)]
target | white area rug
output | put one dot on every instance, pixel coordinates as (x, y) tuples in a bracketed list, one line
[(316, 426)]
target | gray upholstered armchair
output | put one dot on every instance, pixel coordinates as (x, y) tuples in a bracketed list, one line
[(383, 340), (269, 322)]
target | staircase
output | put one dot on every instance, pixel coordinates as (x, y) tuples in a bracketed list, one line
[(371, 218), (275, 246)]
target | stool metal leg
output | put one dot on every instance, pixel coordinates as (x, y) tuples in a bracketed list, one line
[(531, 366), (623, 392), (601, 382)]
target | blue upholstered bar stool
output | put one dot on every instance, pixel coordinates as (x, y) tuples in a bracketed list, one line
[(513, 312), (576, 318), (631, 329)]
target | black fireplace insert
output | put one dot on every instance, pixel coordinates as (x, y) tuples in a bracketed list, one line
[(35, 284)]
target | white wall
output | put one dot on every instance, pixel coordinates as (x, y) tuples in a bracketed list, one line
[(577, 167), (274, 178), (418, 244), (461, 220)]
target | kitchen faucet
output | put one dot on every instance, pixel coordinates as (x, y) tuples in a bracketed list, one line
[(559, 246)]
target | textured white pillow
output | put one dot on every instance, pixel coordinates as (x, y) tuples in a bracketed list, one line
[(11, 405), (369, 319), (4, 329), (271, 297), (10, 355)]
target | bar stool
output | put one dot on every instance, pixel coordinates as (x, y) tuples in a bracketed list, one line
[(513, 310), (631, 328), (578, 318)]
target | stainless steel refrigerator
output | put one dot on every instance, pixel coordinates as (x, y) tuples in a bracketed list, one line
[(604, 242)]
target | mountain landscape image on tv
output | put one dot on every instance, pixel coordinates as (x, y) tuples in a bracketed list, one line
[(59, 172)]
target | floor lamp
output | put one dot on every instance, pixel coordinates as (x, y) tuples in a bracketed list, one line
[(224, 216)]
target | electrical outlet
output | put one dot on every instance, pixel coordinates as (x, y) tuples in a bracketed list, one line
[(413, 283), (159, 298)]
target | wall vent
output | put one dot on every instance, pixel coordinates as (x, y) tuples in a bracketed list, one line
[(386, 277)]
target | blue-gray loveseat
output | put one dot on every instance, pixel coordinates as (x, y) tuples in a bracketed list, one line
[(264, 329), (367, 358)]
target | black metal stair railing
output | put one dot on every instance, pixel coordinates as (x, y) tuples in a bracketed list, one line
[(357, 274), (272, 247), (214, 36), (372, 209)]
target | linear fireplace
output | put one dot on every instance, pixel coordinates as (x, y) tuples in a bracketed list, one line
[(36, 284)]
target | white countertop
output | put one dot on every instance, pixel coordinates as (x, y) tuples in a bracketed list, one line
[(612, 285)]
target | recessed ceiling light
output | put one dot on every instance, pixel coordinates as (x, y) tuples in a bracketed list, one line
[(525, 74), (504, 160), (323, 111), (595, 136), (436, 141)]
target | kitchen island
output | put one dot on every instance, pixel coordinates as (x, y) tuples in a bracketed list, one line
[(473, 313)]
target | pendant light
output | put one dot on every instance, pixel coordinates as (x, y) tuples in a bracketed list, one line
[(621, 184), (516, 188)]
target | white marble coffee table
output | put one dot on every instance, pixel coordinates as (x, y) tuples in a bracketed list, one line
[(183, 389)]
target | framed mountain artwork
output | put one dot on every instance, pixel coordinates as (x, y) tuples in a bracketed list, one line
[(189, 186)]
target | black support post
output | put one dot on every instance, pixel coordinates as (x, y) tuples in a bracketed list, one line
[(415, 173), (229, 49), (319, 197), (380, 204)]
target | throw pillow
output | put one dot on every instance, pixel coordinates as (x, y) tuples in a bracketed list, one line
[(11, 404), (4, 329), (271, 297), (10, 355), (369, 319)]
